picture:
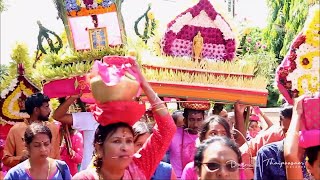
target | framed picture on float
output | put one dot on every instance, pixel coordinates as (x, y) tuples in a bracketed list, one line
[(98, 38)]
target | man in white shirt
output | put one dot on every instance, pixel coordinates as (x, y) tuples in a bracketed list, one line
[(81, 121)]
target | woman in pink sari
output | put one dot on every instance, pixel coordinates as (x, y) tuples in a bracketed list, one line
[(72, 156), (114, 144)]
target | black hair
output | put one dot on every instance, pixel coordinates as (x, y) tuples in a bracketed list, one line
[(223, 140), (187, 111), (80, 104), (217, 108), (141, 128), (175, 115), (211, 119), (286, 111), (35, 100), (34, 129), (252, 121), (312, 154), (104, 132)]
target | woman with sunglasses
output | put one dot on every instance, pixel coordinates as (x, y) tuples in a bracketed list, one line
[(218, 158), (212, 126)]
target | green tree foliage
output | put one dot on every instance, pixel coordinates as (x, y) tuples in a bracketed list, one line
[(286, 19), (2, 6), (250, 42), (252, 50), (62, 14), (4, 72), (19, 55)]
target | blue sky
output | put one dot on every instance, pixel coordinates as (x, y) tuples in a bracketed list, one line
[(18, 23)]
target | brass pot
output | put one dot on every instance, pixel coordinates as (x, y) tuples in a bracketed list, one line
[(125, 90)]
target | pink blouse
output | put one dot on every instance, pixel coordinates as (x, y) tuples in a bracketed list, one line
[(77, 146), (151, 153)]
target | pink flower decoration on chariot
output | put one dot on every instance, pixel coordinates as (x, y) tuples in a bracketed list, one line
[(258, 44)]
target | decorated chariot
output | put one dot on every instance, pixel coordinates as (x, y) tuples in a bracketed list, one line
[(196, 57)]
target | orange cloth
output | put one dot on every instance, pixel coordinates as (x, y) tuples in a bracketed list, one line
[(272, 134), (15, 148)]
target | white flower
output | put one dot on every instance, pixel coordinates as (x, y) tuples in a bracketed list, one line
[(224, 28), (82, 4), (4, 93), (202, 20), (94, 5), (11, 88), (180, 22), (15, 81), (304, 49)]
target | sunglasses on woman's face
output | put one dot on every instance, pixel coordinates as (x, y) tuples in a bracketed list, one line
[(230, 166)]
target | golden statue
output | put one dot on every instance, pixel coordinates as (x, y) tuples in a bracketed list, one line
[(197, 47)]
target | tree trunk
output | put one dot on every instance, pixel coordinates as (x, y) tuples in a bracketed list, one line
[(123, 33)]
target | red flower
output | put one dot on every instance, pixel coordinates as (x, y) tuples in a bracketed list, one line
[(295, 93), (292, 56), (300, 40), (305, 61), (293, 66), (283, 73), (288, 85)]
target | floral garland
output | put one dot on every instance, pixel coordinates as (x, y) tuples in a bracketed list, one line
[(218, 37), (299, 73), (11, 87), (10, 106), (88, 7)]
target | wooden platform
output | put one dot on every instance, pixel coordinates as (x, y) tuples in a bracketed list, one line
[(212, 93), (75, 85)]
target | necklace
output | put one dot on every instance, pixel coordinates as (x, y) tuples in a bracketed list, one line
[(100, 176), (48, 173), (48, 170)]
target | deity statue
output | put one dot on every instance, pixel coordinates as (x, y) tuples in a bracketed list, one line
[(197, 47)]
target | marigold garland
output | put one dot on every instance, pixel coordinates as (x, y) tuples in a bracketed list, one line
[(87, 12), (313, 30), (312, 84), (301, 66), (10, 106), (306, 60)]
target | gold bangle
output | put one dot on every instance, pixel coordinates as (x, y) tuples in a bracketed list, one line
[(157, 104), (160, 109)]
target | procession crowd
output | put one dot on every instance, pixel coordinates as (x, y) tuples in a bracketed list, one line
[(188, 144)]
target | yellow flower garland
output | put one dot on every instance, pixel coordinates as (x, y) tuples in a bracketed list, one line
[(313, 84), (10, 106), (310, 57), (313, 29)]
